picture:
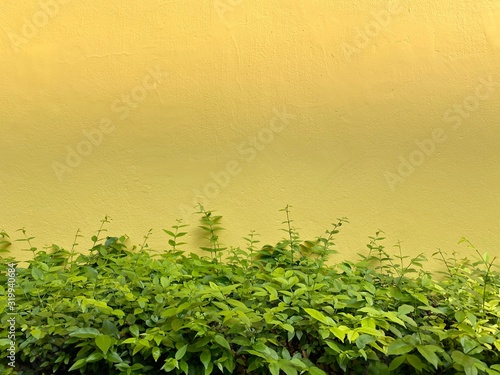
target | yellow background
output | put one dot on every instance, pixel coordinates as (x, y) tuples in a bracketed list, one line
[(361, 81)]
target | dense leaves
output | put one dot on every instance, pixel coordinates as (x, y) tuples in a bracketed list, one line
[(274, 309)]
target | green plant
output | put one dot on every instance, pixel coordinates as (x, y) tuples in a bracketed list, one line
[(276, 309), (484, 275), (293, 235), (27, 240), (211, 225), (175, 234)]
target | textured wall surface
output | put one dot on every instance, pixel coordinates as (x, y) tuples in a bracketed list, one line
[(386, 112)]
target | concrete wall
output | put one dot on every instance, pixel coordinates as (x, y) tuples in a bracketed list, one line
[(382, 111)]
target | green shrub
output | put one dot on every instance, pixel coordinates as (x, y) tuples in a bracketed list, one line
[(273, 309)]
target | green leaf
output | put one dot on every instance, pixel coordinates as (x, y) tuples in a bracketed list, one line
[(156, 353), (415, 361), (180, 353), (467, 344), (340, 332), (36, 333), (273, 293), (320, 316), (103, 342), (364, 340), (242, 341), (333, 346), (164, 282), (274, 368), (244, 318), (4, 343), (396, 362), (136, 366), (78, 364), (119, 313), (109, 328), (470, 370), (122, 366), (460, 316), (256, 353), (221, 305), (37, 273), (96, 356), (370, 311), (392, 316), (369, 331), (84, 333), (177, 324), (405, 309), (210, 368), (316, 371), (286, 354), (169, 312), (184, 367), (497, 345), (219, 339), (170, 364), (288, 327), (288, 368), (429, 353), (399, 347), (205, 357), (114, 357), (462, 359), (134, 330), (238, 304), (422, 298)]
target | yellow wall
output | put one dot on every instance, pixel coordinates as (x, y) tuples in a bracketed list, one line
[(172, 93)]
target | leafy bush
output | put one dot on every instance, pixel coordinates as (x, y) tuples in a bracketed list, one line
[(273, 309)]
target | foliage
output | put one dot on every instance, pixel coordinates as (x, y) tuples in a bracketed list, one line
[(275, 309)]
